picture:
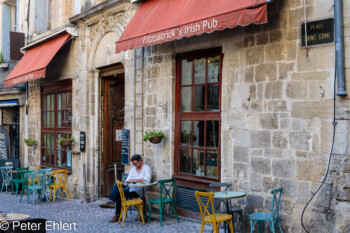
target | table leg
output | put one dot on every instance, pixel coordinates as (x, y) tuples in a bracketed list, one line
[(228, 212), (144, 205)]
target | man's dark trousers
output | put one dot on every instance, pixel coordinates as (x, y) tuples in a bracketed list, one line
[(115, 196)]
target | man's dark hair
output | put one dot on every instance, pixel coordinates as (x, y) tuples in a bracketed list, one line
[(136, 157)]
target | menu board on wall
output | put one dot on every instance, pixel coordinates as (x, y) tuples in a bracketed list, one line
[(125, 146), (4, 144)]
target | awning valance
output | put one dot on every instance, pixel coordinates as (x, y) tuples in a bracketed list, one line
[(34, 62), (159, 21), (9, 103)]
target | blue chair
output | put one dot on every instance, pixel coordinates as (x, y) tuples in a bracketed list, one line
[(270, 218), (47, 179), (6, 177), (35, 183)]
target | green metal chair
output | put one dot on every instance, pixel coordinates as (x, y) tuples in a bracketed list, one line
[(270, 218), (24, 180), (17, 181), (36, 182), (167, 188), (6, 177)]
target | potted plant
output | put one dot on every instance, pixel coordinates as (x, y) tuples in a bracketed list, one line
[(3, 64), (30, 142), (65, 141), (154, 137)]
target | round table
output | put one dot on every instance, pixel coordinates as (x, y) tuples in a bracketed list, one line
[(228, 195), (143, 185), (13, 217)]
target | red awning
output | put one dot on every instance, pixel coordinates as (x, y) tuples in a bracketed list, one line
[(158, 21), (34, 62)]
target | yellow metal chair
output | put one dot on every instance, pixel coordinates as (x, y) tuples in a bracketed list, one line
[(60, 180), (206, 217), (125, 204)]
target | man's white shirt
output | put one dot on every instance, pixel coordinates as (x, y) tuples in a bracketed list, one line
[(145, 173)]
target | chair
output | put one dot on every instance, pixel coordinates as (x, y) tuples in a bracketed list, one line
[(17, 181), (206, 217), (164, 199), (25, 175), (270, 218), (232, 210), (47, 174), (126, 203), (6, 177), (36, 182), (60, 182)]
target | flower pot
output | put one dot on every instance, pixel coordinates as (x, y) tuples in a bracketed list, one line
[(30, 144), (156, 140), (66, 142)]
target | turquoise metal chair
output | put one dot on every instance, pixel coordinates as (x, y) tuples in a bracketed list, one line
[(36, 182), (47, 178), (6, 177), (167, 188), (19, 179), (271, 218)]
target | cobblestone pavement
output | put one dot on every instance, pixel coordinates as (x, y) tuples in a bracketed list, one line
[(89, 217)]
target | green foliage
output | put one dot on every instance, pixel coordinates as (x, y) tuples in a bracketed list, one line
[(60, 139), (2, 58), (151, 134), (30, 141)]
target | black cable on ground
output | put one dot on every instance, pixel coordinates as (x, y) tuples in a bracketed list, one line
[(331, 152)]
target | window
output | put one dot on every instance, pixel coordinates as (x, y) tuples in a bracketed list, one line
[(56, 122), (10, 120), (197, 136)]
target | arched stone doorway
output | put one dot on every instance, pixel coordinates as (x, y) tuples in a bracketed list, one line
[(109, 74)]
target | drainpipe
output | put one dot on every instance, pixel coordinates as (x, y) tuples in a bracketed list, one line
[(339, 47)]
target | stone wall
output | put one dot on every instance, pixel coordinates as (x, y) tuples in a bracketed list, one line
[(276, 115)]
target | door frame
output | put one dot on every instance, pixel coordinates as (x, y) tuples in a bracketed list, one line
[(106, 73)]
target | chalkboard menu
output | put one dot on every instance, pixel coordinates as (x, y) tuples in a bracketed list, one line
[(4, 144), (125, 146)]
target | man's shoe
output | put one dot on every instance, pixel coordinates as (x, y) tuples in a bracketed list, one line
[(108, 204), (114, 219)]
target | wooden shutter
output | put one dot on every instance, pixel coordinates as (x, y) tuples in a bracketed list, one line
[(16, 43)]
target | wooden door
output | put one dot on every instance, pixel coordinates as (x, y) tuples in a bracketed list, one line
[(113, 120)]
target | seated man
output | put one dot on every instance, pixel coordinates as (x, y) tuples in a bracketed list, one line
[(140, 172)]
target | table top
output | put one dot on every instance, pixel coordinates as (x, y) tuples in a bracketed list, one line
[(13, 217), (229, 194), (142, 184), (13, 171), (46, 174)]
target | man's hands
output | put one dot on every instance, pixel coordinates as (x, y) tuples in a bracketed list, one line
[(134, 180)]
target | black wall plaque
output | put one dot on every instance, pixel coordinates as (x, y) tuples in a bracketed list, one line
[(4, 144), (318, 32), (82, 141), (125, 146)]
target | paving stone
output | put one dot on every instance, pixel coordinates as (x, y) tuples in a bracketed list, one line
[(89, 217)]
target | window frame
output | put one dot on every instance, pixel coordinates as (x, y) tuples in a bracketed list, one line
[(55, 89), (195, 116)]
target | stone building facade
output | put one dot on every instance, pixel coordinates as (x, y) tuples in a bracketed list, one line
[(276, 107)]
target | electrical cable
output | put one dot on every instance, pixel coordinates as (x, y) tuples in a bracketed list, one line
[(331, 152)]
